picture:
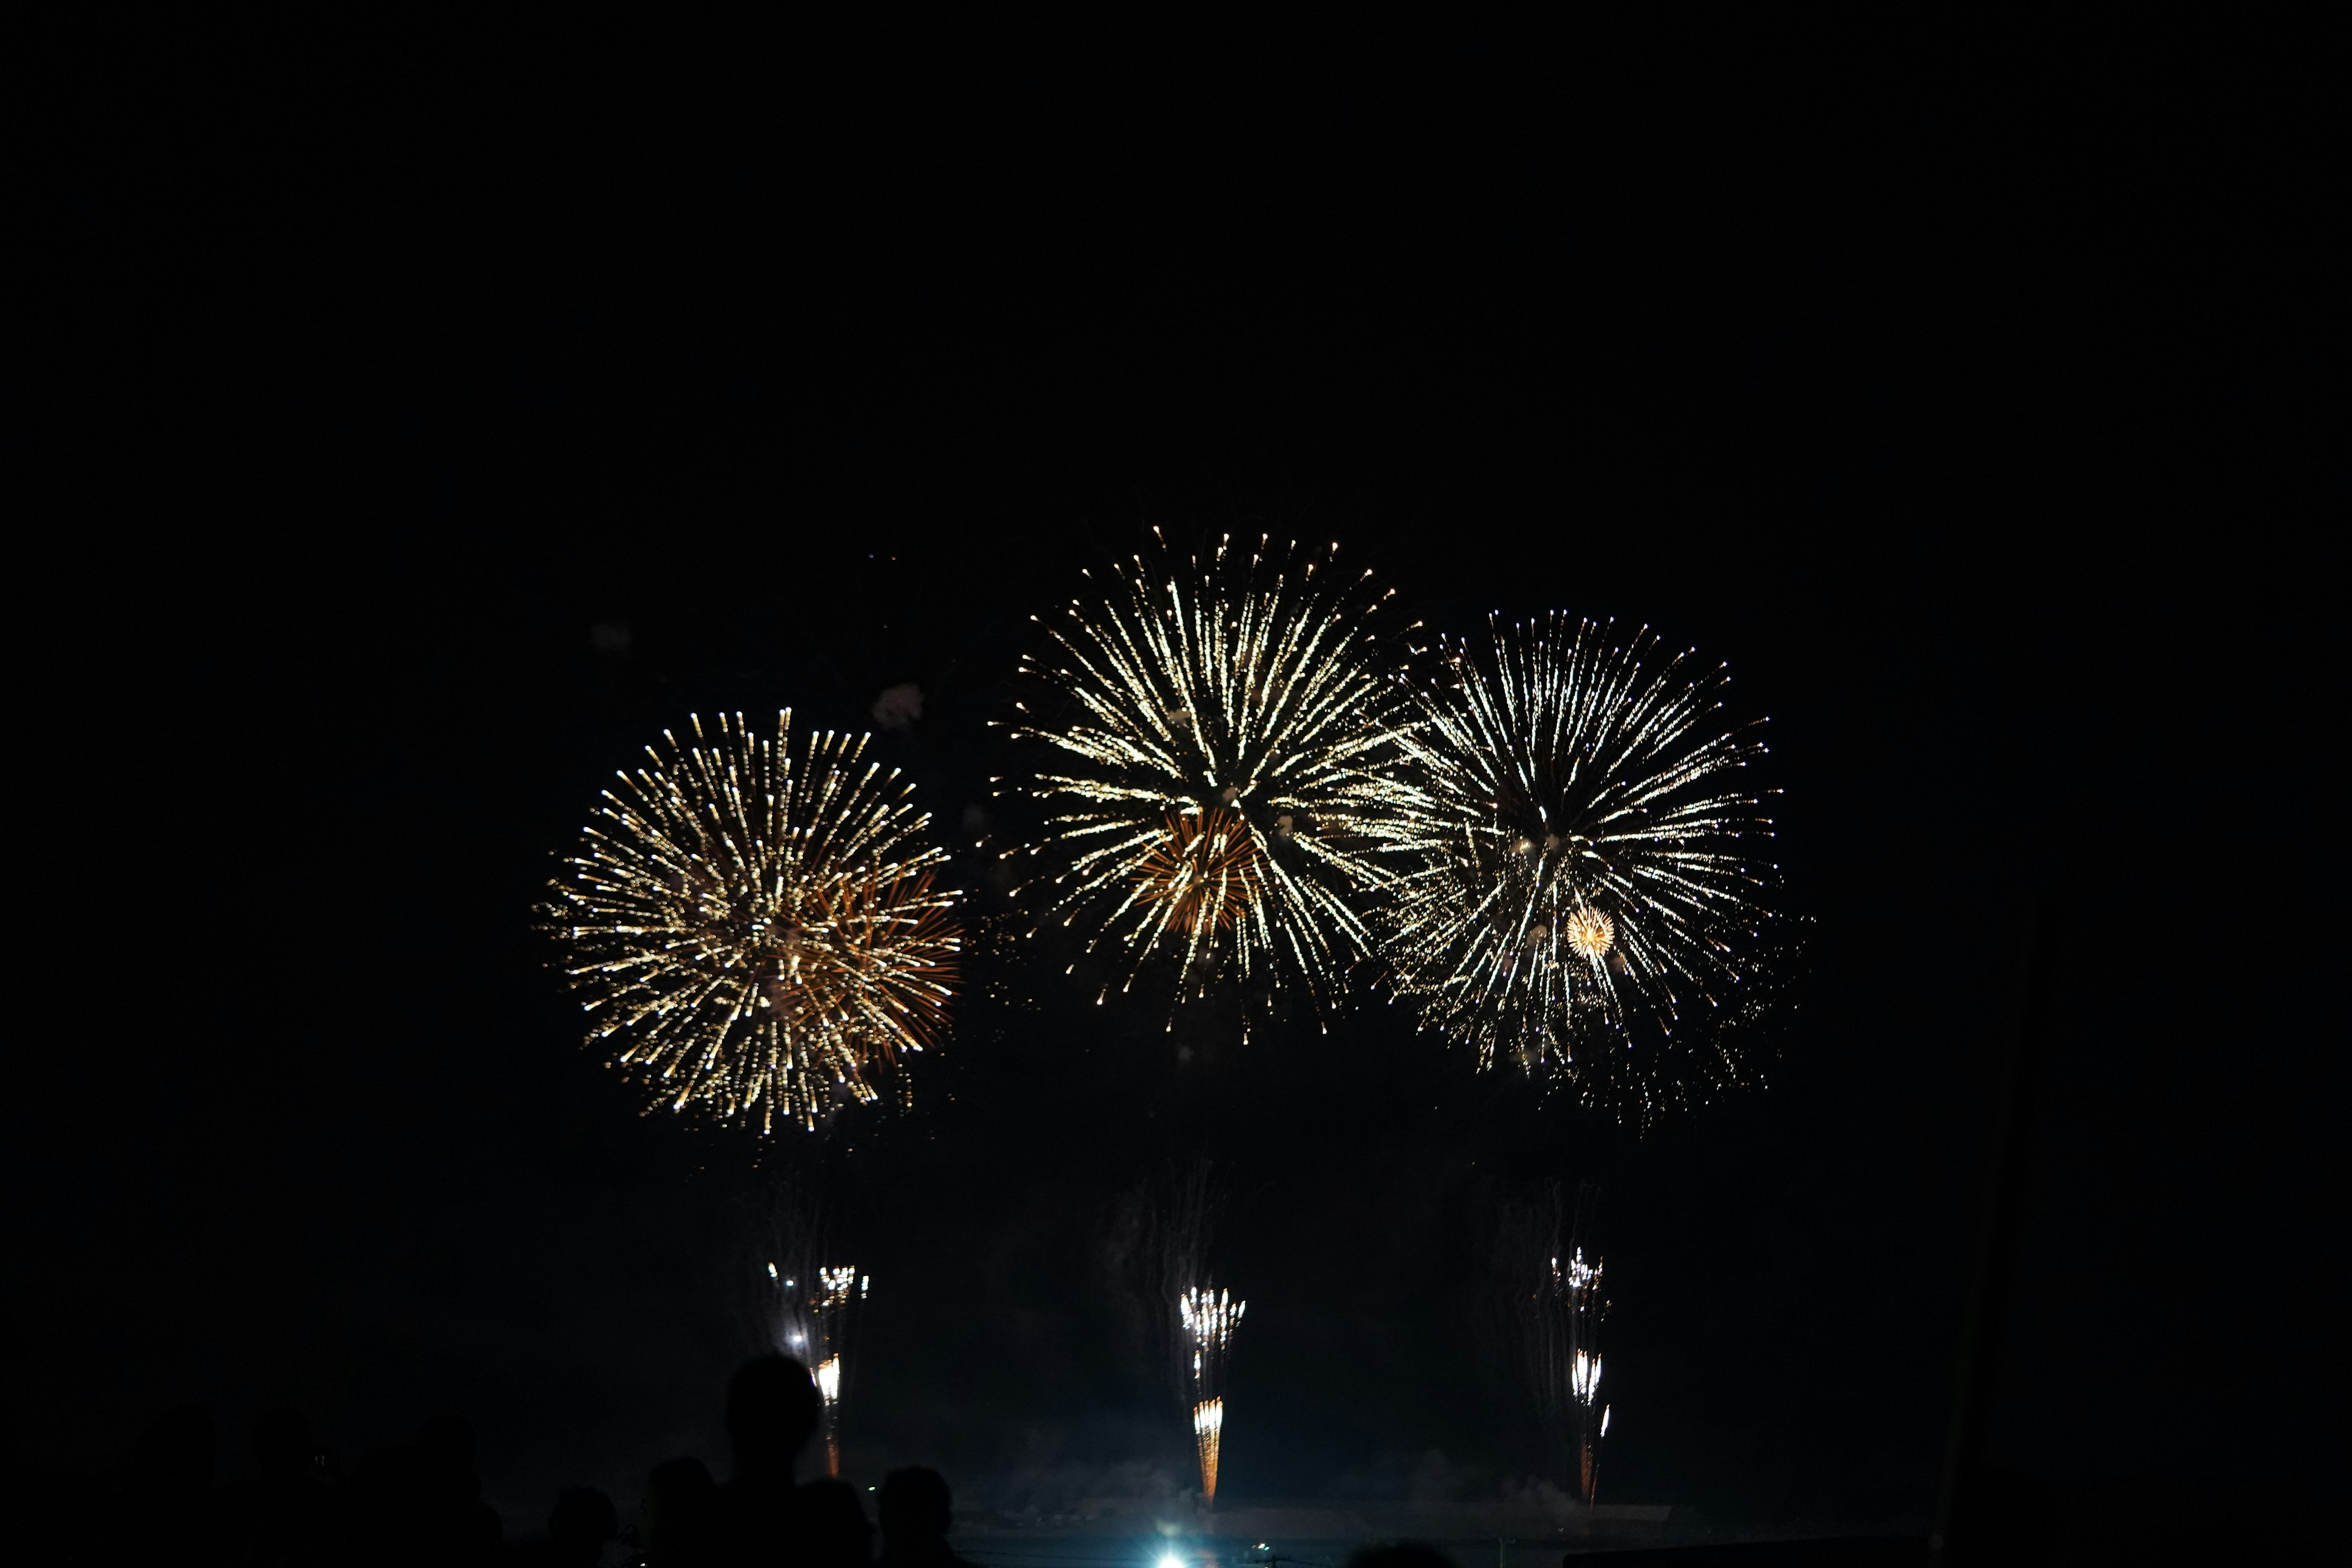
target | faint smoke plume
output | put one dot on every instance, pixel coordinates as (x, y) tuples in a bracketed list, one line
[(609, 636), (898, 706)]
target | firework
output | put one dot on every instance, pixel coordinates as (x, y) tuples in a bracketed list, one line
[(811, 1313), (1560, 1310), (1219, 741), (1158, 1246), (1161, 1245), (1209, 1317), (1583, 894), (758, 932)]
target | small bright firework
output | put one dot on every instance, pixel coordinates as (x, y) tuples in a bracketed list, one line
[(1209, 1317), (1586, 892), (812, 1317), (759, 933), (1221, 738)]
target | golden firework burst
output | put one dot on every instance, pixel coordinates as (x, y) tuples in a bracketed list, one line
[(1218, 738), (1589, 932), (759, 935)]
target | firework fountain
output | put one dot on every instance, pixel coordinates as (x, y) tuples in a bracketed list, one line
[(813, 1313), (807, 1299), (1209, 1316), (1163, 1246), (1561, 1320)]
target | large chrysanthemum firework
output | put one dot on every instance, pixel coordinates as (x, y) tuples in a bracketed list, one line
[(1218, 737), (1586, 892), (758, 932)]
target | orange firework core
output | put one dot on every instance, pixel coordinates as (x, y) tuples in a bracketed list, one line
[(1208, 869), (1590, 932)]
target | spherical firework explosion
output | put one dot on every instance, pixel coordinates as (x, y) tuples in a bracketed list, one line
[(1584, 897), (1221, 739), (758, 934)]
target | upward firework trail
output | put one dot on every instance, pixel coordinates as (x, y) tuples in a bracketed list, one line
[(1217, 738), (1209, 1316), (757, 931), (1586, 889)]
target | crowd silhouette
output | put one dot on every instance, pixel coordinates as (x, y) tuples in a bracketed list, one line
[(419, 1502)]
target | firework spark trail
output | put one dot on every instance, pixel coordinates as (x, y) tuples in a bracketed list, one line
[(1224, 743), (1583, 890), (760, 935), (1209, 1317)]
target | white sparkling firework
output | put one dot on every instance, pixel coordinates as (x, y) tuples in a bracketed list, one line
[(1585, 895), (758, 932), (1220, 749)]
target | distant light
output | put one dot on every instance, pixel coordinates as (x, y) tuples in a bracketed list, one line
[(771, 1271)]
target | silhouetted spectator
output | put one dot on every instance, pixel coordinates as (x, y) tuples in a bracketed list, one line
[(449, 1502), (676, 1523), (385, 1491), (290, 1514), (830, 1525), (420, 1501), (581, 1523), (915, 1510), (772, 1408), (169, 1514)]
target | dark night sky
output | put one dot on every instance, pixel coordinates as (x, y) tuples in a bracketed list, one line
[(1978, 426)]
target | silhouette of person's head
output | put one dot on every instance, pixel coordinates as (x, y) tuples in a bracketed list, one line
[(773, 1406), (281, 1443), (582, 1520), (915, 1508)]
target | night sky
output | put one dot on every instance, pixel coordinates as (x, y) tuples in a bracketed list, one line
[(1979, 431)]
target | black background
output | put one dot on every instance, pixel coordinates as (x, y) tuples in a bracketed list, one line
[(1974, 408)]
